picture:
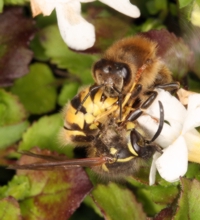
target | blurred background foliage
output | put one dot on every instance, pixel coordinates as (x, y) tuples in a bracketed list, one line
[(39, 74)]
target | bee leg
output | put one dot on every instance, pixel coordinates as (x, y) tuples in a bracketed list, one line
[(120, 106), (143, 147), (151, 97), (153, 94), (161, 123), (136, 92), (136, 113), (120, 96), (172, 87)]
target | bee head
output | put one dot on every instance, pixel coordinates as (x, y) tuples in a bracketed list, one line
[(113, 75)]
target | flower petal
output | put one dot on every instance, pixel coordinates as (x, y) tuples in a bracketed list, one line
[(75, 30), (192, 119), (173, 109), (174, 161), (192, 139), (86, 1), (152, 174), (168, 134), (42, 6), (183, 95), (123, 6)]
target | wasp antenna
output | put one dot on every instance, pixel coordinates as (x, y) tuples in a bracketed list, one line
[(89, 93)]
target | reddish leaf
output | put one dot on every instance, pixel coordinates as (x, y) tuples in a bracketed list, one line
[(172, 50), (165, 214), (54, 194), (15, 33), (6, 155)]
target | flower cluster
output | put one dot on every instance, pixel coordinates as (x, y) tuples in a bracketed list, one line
[(75, 30), (179, 138)]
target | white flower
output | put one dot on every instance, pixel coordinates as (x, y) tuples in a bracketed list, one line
[(179, 138), (75, 30)]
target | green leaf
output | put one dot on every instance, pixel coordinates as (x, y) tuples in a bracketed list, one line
[(8, 114), (150, 196), (53, 193), (1, 5), (68, 91), (90, 203), (9, 209), (36, 90), (188, 204), (151, 7), (10, 134), (161, 5), (194, 83), (44, 134), (193, 170), (183, 3), (117, 203), (39, 52), (18, 188), (58, 52), (15, 2)]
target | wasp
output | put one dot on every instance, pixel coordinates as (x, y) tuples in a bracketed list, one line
[(113, 147)]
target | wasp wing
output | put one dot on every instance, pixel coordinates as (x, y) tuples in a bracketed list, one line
[(54, 162)]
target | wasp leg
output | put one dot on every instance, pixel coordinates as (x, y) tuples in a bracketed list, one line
[(172, 87)]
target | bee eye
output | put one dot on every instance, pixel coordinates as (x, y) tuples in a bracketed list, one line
[(121, 70), (107, 69), (124, 72)]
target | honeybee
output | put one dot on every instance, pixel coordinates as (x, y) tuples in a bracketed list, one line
[(113, 147), (132, 60)]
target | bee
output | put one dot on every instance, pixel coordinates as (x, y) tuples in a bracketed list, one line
[(130, 61), (113, 147)]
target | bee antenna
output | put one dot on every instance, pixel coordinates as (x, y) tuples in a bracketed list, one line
[(161, 123), (89, 93)]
